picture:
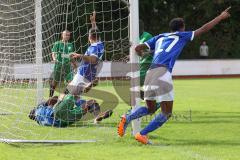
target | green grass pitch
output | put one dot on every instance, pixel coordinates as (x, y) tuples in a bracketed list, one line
[(205, 126)]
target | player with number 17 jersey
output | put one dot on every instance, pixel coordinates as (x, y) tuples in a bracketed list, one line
[(158, 85), (167, 47)]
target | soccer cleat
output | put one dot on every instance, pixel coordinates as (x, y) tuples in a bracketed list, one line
[(122, 126), (142, 139)]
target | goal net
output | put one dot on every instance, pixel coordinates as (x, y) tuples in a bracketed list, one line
[(20, 62)]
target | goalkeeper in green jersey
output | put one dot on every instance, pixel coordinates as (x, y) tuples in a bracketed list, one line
[(65, 110), (146, 60), (61, 52)]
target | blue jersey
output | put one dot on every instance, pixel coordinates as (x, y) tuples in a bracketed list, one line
[(167, 47), (88, 70), (45, 116)]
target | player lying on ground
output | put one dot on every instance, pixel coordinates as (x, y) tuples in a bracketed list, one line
[(66, 110), (88, 68), (158, 85), (62, 64)]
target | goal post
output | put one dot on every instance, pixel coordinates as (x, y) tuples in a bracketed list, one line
[(134, 40), (38, 49), (29, 29)]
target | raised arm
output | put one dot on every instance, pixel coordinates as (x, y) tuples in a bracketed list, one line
[(93, 20), (208, 26)]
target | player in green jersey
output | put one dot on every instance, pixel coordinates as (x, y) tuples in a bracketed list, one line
[(62, 63), (145, 61), (65, 110)]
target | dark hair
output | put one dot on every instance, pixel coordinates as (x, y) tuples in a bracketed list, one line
[(32, 114), (176, 24), (52, 101), (94, 33)]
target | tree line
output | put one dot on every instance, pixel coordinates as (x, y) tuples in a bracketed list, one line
[(112, 19)]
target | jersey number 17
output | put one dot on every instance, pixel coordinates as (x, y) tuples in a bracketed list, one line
[(159, 48)]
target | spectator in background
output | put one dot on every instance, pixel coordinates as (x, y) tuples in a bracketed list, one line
[(204, 50)]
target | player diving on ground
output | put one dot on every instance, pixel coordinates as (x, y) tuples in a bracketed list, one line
[(65, 110)]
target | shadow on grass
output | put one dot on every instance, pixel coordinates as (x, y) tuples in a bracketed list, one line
[(92, 125), (207, 121), (189, 142), (211, 117)]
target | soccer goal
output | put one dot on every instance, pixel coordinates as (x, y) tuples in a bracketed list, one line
[(29, 28)]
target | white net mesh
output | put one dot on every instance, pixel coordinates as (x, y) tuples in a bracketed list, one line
[(18, 58)]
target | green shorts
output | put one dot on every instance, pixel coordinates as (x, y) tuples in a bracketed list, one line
[(62, 72)]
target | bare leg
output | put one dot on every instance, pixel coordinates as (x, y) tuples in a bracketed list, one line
[(167, 107), (53, 85), (151, 104)]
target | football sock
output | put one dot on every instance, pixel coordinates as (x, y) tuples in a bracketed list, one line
[(139, 112), (157, 122), (78, 103)]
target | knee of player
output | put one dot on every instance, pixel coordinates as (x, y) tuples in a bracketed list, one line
[(151, 110)]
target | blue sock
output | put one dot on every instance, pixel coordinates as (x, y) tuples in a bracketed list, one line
[(79, 102), (157, 122), (140, 112)]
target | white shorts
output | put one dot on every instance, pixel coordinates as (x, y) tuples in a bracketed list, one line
[(158, 85), (78, 84)]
